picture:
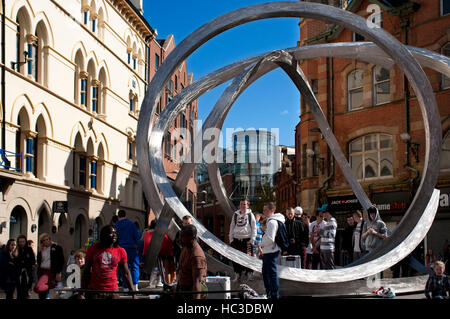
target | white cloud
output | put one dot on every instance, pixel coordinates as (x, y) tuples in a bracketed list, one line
[(284, 112)]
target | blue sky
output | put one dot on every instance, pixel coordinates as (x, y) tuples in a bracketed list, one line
[(272, 101)]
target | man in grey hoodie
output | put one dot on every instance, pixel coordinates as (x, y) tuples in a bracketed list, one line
[(242, 236), (374, 230), (271, 251)]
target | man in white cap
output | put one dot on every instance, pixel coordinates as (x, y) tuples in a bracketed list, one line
[(298, 212), (304, 234)]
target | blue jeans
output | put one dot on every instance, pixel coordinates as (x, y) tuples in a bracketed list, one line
[(270, 274), (133, 265)]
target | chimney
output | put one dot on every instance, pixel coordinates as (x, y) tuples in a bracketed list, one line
[(138, 4)]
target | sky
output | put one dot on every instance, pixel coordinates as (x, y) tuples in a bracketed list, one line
[(272, 102)]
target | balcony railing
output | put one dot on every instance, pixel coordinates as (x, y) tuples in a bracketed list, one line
[(11, 160)]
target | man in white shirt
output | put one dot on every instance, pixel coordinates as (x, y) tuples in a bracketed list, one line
[(242, 236), (358, 242)]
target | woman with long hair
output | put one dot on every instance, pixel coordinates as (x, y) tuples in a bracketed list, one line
[(50, 260), (25, 262), (102, 260), (8, 269)]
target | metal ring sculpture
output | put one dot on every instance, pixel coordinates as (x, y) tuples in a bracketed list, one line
[(420, 214)]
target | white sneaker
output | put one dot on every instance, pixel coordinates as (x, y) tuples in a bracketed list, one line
[(250, 276)]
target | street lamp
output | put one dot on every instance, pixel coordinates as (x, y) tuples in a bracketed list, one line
[(19, 63), (414, 146)]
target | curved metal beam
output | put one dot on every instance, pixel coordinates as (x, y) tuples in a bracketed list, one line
[(279, 9)]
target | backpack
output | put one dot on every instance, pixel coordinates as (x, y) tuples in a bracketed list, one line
[(281, 238)]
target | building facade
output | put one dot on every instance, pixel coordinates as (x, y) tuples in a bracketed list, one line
[(375, 117), (75, 74)]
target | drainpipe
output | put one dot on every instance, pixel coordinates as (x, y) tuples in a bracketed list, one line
[(330, 113), (405, 25), (3, 78)]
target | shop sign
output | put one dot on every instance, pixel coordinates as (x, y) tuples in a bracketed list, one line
[(444, 199)]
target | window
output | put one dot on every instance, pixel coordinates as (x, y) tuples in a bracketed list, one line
[(134, 62), (33, 63), (167, 145), (93, 174), (445, 51), (30, 154), (357, 37), (445, 7), (85, 17), (94, 21), (83, 92), (371, 156), (94, 97), (381, 85), (130, 150), (156, 62), (176, 83), (82, 171), (304, 161), (132, 103), (315, 159), (129, 57), (445, 154), (355, 90)]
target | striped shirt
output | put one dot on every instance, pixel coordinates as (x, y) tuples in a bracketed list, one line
[(327, 234)]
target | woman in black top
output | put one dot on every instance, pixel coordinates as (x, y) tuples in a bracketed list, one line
[(8, 269), (25, 261)]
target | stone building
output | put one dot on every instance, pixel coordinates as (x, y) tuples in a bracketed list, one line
[(74, 76)]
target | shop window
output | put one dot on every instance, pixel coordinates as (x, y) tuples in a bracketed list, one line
[(381, 85), (371, 156)]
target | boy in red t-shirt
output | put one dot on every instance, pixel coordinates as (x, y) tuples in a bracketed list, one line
[(103, 259)]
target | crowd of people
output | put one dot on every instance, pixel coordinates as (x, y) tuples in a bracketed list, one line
[(117, 257), (313, 241)]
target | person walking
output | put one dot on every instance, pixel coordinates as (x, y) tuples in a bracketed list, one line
[(8, 268), (270, 250), (25, 261), (358, 243), (193, 268), (347, 238), (327, 235), (129, 237), (101, 264), (242, 236), (50, 261)]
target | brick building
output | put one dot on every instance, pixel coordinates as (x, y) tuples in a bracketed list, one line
[(372, 112)]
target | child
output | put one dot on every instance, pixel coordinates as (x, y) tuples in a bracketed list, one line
[(259, 233), (438, 283)]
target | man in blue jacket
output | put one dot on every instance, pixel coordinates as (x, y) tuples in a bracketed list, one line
[(129, 237)]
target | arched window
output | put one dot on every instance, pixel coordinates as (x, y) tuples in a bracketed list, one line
[(79, 178), (445, 80), (17, 222), (101, 92), (355, 90), (381, 85), (371, 156), (445, 154)]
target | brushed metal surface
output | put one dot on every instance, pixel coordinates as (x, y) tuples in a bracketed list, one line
[(414, 223)]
